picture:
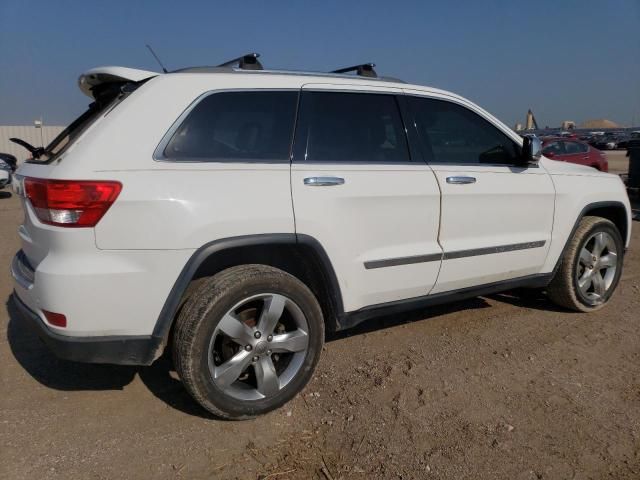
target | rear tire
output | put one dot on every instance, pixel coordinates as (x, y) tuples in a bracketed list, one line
[(590, 266), (248, 340)]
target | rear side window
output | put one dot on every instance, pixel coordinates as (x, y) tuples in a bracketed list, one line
[(573, 148), (556, 148), (236, 126), (349, 128), (451, 133)]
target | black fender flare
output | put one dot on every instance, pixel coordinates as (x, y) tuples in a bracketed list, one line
[(172, 302), (585, 211)]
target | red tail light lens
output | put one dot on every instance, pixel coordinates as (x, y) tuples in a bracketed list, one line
[(57, 319), (71, 203)]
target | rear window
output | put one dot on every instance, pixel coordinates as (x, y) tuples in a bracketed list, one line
[(107, 98), (236, 126), (69, 134)]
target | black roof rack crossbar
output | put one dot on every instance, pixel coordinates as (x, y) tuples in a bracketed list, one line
[(364, 70), (245, 62)]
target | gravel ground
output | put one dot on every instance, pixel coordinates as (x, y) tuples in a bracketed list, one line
[(501, 387)]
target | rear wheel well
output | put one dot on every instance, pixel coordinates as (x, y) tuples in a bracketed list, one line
[(616, 213), (298, 259)]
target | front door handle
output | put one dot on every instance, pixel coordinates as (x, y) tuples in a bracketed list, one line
[(323, 181), (461, 180)]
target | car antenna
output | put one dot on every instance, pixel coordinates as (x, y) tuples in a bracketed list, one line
[(157, 59)]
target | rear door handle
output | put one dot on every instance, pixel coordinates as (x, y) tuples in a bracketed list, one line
[(323, 181), (461, 180)]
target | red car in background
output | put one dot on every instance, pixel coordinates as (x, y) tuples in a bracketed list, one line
[(572, 150)]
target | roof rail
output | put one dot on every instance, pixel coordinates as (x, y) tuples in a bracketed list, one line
[(363, 70), (248, 61)]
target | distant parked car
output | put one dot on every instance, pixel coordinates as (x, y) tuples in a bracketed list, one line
[(574, 151), (609, 141), (529, 135), (566, 134), (5, 177), (624, 144), (7, 167), (10, 160)]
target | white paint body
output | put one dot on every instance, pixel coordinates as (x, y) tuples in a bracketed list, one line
[(114, 279)]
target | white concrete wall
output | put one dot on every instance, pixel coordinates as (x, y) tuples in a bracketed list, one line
[(35, 136)]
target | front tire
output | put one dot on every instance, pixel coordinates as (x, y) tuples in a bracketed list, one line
[(248, 340), (590, 267)]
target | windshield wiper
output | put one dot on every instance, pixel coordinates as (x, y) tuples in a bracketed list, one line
[(36, 152)]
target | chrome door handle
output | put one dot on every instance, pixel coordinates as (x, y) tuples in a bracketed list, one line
[(461, 180), (323, 181)]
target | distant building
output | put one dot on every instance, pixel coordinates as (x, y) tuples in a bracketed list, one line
[(568, 125), (531, 121), (36, 136)]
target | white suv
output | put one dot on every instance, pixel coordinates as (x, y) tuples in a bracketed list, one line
[(235, 214)]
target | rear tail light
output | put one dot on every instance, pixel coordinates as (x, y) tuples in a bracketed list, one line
[(71, 203), (56, 319)]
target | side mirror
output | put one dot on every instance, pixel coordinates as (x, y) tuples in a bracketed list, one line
[(531, 150)]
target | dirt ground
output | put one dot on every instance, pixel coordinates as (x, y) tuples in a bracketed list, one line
[(502, 387), (618, 161)]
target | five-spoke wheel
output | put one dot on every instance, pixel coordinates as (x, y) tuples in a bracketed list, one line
[(258, 346), (597, 266), (247, 340), (590, 266)]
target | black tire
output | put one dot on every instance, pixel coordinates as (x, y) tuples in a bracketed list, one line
[(203, 311), (563, 288)]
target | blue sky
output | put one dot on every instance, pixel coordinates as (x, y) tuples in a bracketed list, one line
[(567, 60)]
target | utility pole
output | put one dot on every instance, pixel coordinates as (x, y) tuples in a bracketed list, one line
[(38, 124)]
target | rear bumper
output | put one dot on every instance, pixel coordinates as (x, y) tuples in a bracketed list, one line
[(120, 350)]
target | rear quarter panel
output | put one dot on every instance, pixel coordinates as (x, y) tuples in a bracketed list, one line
[(181, 205)]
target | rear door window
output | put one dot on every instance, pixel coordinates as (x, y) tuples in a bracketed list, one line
[(350, 128), (573, 148), (555, 148), (582, 147), (236, 126)]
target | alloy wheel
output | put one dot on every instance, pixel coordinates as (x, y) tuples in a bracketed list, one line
[(258, 347), (597, 266)]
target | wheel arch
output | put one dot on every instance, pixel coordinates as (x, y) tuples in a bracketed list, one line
[(299, 255), (615, 211)]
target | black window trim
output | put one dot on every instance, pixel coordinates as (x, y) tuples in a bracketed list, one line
[(426, 155), (158, 153), (300, 140)]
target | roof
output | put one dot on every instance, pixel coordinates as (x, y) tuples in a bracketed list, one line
[(96, 76), (212, 69), (250, 77)]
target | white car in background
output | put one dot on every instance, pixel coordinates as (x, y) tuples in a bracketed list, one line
[(5, 175), (234, 214)]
